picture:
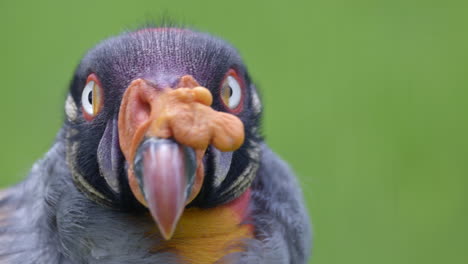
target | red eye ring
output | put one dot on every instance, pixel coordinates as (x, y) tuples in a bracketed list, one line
[(237, 95), (91, 108)]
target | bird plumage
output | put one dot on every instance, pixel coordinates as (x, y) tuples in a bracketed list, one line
[(48, 218)]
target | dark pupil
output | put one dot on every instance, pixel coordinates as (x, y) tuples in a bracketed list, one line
[(230, 91), (90, 97)]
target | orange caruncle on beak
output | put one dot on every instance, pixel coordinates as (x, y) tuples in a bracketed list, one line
[(163, 135)]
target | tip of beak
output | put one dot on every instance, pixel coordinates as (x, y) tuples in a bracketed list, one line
[(166, 225), (167, 234)]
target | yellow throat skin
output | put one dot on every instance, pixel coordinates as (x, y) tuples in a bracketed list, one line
[(203, 236)]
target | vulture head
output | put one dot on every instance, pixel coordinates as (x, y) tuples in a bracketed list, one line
[(160, 120)]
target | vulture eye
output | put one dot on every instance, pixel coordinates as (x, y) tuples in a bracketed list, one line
[(91, 98), (231, 91)]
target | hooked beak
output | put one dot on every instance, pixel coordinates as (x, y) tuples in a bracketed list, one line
[(165, 171), (163, 134)]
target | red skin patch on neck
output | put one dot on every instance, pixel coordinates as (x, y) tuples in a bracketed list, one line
[(241, 204)]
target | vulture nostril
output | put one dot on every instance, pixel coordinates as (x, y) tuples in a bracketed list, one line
[(142, 110)]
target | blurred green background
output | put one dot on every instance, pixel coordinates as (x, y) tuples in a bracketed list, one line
[(367, 100)]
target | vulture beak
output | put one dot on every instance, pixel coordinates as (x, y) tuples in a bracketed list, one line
[(163, 134)]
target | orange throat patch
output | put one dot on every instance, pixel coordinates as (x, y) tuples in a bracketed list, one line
[(204, 236)]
